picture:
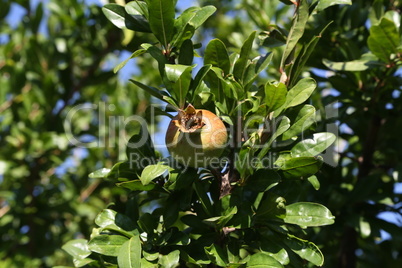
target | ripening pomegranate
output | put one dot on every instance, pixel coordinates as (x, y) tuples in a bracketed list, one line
[(196, 137)]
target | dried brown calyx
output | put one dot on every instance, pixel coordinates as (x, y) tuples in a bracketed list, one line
[(189, 119)]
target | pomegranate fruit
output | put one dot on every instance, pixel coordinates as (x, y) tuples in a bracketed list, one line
[(196, 137)]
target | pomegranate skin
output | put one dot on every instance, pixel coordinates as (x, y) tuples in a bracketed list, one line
[(197, 147)]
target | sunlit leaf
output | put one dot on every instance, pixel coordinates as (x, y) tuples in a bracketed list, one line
[(308, 214), (108, 245)]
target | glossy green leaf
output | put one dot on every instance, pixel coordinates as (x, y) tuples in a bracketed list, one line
[(78, 248), (170, 260), (180, 77), (301, 166), (120, 18), (304, 119), (300, 92), (296, 31), (197, 83), (312, 147), (323, 4), (202, 15), (130, 253), (99, 174), (384, 39), (314, 182), (305, 249), (216, 54), (151, 172), (308, 214), (275, 95), (108, 245), (366, 61), (161, 19), (263, 260), (245, 53), (136, 8)]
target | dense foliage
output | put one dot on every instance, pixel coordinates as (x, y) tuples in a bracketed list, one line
[(280, 74)]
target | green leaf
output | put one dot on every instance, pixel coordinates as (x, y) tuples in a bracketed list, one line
[(323, 4), (305, 249), (99, 174), (151, 172), (300, 92), (296, 31), (171, 260), (156, 93), (271, 207), (130, 253), (111, 220), (186, 55), (140, 149), (78, 248), (108, 245), (301, 166), (196, 84), (135, 54), (136, 185), (202, 15), (284, 125), (263, 260), (256, 66), (180, 77), (161, 19), (304, 119), (122, 171), (136, 8), (275, 95), (366, 61), (384, 39), (314, 182), (216, 54), (304, 55), (312, 147), (217, 255), (306, 214), (262, 180), (120, 18), (245, 53)]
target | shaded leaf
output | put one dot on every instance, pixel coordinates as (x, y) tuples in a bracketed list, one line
[(301, 166), (170, 260)]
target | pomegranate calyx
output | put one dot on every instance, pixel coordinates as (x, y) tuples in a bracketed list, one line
[(189, 120)]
